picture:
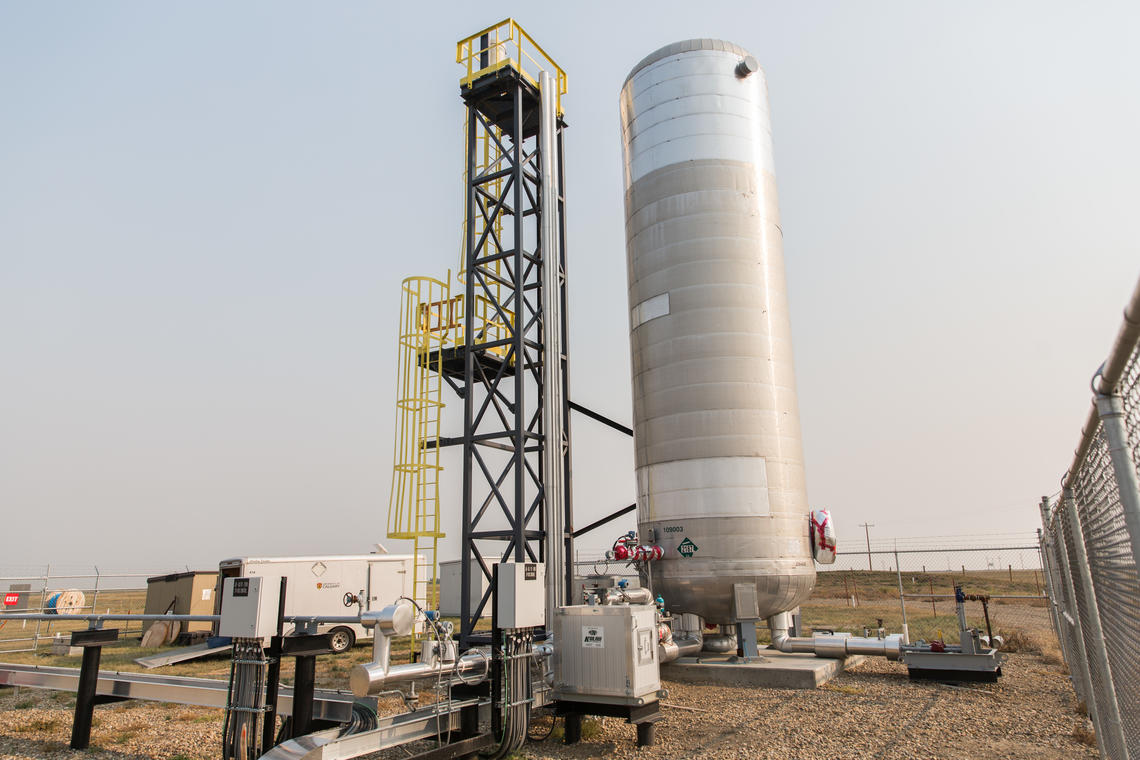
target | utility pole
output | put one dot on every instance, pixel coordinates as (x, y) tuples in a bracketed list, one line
[(867, 529)]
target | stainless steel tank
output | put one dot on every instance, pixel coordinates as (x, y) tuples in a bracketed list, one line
[(720, 468)]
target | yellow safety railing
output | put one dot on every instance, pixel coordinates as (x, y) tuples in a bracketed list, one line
[(507, 44), (413, 509), (431, 321)]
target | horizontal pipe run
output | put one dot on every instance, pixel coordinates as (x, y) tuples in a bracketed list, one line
[(369, 678), (176, 618), (836, 646)]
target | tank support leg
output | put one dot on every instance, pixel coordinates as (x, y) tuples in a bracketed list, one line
[(746, 645)]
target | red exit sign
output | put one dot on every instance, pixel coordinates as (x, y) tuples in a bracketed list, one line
[(10, 600)]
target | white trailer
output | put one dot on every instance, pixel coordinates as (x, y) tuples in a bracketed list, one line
[(318, 585)]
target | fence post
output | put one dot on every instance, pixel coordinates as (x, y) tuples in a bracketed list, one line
[(902, 599), (1111, 411), (95, 592), (1079, 663), (43, 602), (1109, 713)]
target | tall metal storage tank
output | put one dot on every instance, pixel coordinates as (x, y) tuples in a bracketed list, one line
[(719, 460)]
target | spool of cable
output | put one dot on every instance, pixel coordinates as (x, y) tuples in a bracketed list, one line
[(70, 602)]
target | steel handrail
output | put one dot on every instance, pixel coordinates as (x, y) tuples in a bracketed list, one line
[(1107, 378), (468, 51)]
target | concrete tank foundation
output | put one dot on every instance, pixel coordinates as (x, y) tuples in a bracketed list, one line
[(772, 670)]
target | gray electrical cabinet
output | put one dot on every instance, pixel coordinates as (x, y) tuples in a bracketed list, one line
[(247, 612), (521, 596), (606, 653)]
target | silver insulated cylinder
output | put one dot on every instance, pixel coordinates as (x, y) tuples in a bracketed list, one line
[(720, 470)]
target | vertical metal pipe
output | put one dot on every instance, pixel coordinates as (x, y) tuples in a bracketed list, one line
[(1111, 411), (553, 404), (1109, 713), (518, 337), (568, 526), (466, 625)]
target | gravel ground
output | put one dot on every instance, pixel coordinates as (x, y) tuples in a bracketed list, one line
[(873, 711)]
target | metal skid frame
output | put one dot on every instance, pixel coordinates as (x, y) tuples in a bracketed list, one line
[(502, 380)]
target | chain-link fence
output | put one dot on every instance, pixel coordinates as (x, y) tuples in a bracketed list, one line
[(87, 592), (915, 588), (1091, 550)]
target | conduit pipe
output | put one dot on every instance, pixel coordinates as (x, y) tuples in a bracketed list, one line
[(398, 620), (836, 645)]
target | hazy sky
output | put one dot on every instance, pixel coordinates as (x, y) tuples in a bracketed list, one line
[(206, 210)]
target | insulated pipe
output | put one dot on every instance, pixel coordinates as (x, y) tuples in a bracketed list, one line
[(673, 648), (628, 596), (835, 646), (554, 409), (720, 643), (371, 678)]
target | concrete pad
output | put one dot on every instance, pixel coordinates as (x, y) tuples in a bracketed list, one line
[(773, 670)]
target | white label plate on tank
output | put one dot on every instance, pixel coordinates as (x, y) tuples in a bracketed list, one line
[(713, 487), (650, 308)]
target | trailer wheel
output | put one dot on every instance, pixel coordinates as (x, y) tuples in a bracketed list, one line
[(341, 639)]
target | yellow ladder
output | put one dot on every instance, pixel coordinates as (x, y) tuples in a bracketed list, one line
[(426, 327)]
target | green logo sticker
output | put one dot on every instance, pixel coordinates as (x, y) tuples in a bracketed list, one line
[(687, 548)]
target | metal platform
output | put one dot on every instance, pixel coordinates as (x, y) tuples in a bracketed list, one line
[(772, 670), (335, 706), (452, 361), (194, 652)]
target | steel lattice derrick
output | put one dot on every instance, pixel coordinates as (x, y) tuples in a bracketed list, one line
[(502, 378)]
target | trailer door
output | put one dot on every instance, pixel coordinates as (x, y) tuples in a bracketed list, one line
[(387, 581)]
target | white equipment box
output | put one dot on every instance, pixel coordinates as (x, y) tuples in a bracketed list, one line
[(247, 612), (521, 595), (606, 653)]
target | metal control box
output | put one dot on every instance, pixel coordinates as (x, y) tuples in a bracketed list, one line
[(249, 608), (520, 599), (606, 653)]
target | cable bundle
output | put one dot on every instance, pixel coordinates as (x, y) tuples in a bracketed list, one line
[(516, 656), (245, 702)]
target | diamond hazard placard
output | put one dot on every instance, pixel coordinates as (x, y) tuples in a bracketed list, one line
[(686, 548)]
